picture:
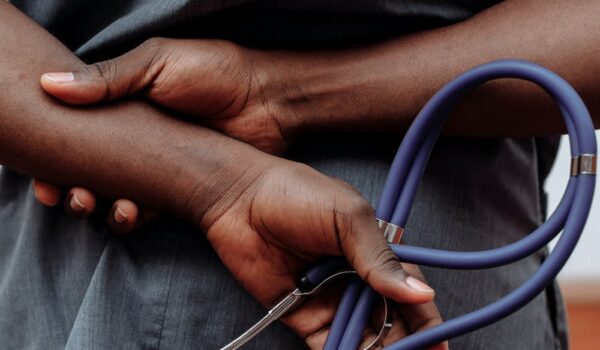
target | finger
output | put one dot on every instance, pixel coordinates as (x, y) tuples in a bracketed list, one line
[(367, 251), (421, 317), (371, 334), (126, 217), (369, 337), (397, 331), (123, 216), (108, 80), (312, 319), (424, 316), (80, 202), (46, 193)]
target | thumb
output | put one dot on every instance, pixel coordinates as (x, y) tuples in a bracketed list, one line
[(374, 261), (108, 80)]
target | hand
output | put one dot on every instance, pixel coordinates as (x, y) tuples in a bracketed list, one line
[(218, 82), (291, 216), (286, 219), (123, 217), (268, 232), (270, 226)]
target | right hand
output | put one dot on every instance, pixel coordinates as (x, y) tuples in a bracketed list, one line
[(274, 218), (288, 217)]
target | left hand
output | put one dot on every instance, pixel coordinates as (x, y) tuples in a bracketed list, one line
[(217, 82)]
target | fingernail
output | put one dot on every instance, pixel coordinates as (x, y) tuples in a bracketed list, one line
[(76, 204), (60, 77), (418, 285), (120, 216)]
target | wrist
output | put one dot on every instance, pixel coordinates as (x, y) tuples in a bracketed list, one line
[(284, 82), (308, 91), (236, 167), (364, 88)]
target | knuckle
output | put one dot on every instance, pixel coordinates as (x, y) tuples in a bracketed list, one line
[(357, 213), (346, 212), (361, 207), (342, 224), (104, 72), (150, 58), (153, 45), (98, 70), (352, 204), (385, 260), (430, 322), (382, 261), (108, 68), (351, 200)]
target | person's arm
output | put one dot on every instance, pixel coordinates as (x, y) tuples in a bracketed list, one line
[(253, 207), (379, 87), (383, 86), (280, 94), (127, 149)]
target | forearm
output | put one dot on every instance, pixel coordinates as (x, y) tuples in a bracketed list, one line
[(383, 86), (129, 149)]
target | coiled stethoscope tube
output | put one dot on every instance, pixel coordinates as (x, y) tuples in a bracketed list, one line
[(398, 196), (399, 193)]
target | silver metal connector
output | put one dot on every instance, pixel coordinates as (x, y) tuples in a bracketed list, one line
[(585, 164), (392, 233), (291, 301)]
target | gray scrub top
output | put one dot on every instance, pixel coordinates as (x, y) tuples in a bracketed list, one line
[(68, 283)]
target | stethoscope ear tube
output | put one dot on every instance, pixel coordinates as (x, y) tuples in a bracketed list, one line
[(400, 190)]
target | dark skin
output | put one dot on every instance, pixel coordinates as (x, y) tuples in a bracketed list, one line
[(279, 215), (380, 87), (348, 89), (277, 95)]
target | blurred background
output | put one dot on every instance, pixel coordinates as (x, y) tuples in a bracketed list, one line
[(580, 279)]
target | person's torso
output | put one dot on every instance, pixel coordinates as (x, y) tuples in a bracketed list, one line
[(80, 264)]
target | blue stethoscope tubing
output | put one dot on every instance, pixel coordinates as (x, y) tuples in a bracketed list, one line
[(400, 190)]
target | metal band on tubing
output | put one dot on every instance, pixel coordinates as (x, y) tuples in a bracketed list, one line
[(392, 233), (585, 164)]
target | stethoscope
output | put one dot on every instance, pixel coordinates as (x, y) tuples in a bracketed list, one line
[(398, 195)]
